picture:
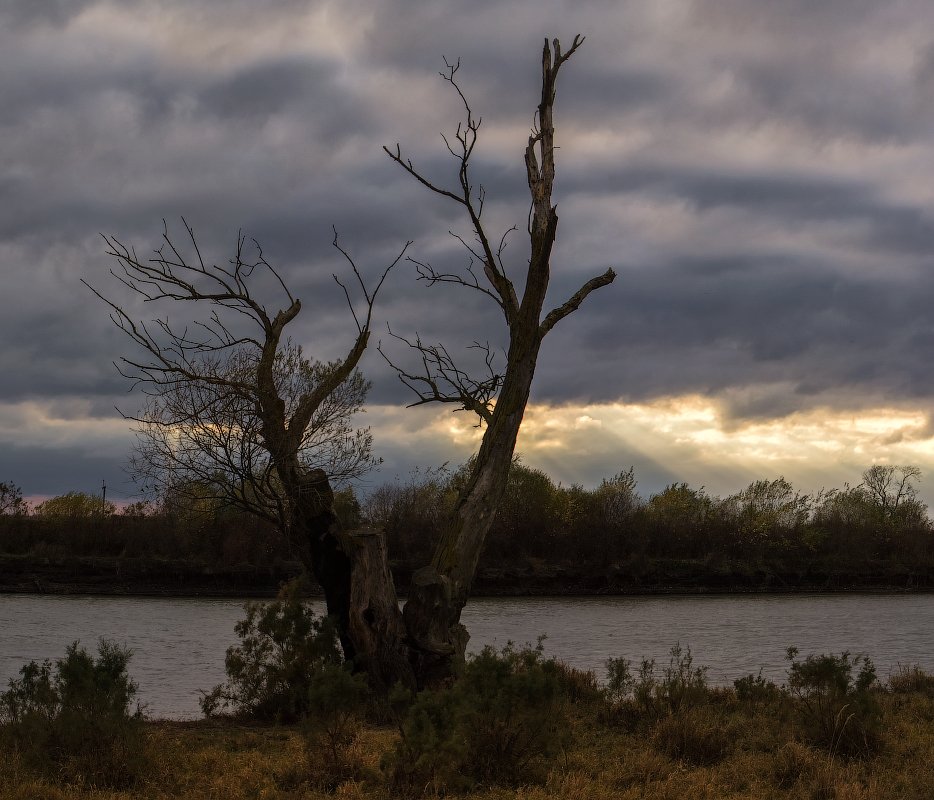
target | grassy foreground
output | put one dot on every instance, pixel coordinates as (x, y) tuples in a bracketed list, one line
[(719, 747)]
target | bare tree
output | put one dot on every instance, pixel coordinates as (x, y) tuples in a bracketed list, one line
[(199, 441), (234, 405), (891, 486), (440, 590)]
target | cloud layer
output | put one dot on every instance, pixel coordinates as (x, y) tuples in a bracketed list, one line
[(757, 173)]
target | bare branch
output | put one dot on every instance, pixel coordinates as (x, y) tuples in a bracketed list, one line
[(431, 276), (244, 414), (369, 297), (407, 165), (466, 137), (442, 381), (556, 315)]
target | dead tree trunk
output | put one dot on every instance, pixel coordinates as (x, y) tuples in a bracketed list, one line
[(439, 591), (352, 568)]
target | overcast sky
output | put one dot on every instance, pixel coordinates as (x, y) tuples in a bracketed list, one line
[(759, 174)]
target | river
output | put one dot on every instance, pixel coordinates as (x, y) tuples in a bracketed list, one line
[(178, 644)]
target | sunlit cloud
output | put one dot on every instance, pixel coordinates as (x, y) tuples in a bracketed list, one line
[(689, 438)]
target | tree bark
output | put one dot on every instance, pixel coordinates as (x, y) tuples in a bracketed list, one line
[(352, 568), (439, 592)]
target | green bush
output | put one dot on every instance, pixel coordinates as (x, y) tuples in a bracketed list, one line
[(501, 722), (754, 690), (838, 711), (73, 719), (431, 750), (283, 645), (681, 685)]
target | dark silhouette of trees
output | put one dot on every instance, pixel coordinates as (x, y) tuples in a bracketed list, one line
[(235, 412), (545, 538), (440, 590), (11, 499)]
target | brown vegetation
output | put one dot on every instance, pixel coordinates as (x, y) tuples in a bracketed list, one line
[(719, 748)]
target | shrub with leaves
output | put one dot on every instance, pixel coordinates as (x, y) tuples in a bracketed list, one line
[(837, 708), (283, 645), (431, 751), (501, 722), (683, 685), (755, 690), (73, 719), (680, 686)]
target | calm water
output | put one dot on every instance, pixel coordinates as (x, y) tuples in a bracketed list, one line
[(179, 644)]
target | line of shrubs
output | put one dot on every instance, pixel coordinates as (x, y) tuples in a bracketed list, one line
[(503, 722)]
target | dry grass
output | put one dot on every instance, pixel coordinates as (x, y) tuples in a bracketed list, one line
[(756, 755)]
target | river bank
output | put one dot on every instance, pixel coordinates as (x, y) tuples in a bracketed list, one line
[(115, 576)]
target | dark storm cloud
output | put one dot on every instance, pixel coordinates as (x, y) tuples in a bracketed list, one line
[(28, 13), (736, 323), (57, 470), (895, 227), (754, 172)]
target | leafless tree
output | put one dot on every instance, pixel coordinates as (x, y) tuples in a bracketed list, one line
[(202, 441), (440, 590), (891, 486), (233, 405)]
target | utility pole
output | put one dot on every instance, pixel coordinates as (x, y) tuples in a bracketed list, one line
[(103, 497)]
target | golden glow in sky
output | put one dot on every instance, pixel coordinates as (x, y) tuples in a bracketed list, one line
[(688, 438)]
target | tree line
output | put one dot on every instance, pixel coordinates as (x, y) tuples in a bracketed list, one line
[(877, 528)]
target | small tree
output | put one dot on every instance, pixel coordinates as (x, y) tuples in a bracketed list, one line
[(892, 488)]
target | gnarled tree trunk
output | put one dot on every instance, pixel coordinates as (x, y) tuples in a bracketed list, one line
[(352, 568), (224, 382)]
